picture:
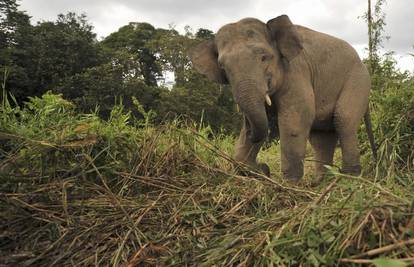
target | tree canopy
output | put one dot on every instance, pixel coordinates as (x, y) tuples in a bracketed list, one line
[(64, 56)]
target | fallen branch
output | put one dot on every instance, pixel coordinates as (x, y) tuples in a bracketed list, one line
[(385, 249), (366, 261)]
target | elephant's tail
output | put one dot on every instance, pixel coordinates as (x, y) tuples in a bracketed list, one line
[(368, 126)]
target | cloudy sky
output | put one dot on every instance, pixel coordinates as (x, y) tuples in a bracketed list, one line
[(337, 17)]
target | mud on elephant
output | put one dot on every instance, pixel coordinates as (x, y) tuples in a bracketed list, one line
[(315, 84)]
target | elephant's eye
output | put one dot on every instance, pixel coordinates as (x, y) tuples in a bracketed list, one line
[(269, 83), (220, 63), (266, 57)]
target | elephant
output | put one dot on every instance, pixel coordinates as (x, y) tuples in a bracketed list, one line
[(314, 84)]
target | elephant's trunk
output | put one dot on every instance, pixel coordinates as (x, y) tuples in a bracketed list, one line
[(252, 104)]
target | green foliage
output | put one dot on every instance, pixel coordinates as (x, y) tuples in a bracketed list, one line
[(36, 116), (395, 125), (389, 263), (135, 39), (376, 24), (39, 57), (104, 86), (8, 12), (63, 48), (204, 34), (392, 112), (202, 101), (64, 56), (76, 189), (16, 39), (149, 116), (172, 48)]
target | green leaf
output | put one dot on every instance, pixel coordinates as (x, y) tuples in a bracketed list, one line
[(382, 262)]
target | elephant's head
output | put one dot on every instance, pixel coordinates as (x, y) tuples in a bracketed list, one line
[(252, 57)]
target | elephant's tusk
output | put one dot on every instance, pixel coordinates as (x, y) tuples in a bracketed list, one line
[(268, 101), (237, 108)]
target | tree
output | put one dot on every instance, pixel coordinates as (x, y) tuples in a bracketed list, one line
[(192, 95), (64, 56), (204, 34), (39, 57), (376, 23), (104, 86), (16, 38), (201, 100), (135, 39), (8, 8), (64, 48), (172, 48)]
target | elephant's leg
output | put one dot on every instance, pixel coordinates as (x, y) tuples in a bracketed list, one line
[(296, 113), (323, 143), (351, 107), (246, 151), (293, 138), (350, 153), (293, 149)]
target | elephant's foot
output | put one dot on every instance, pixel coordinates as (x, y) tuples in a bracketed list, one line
[(292, 179), (264, 168), (321, 172), (316, 180), (293, 175), (318, 177), (351, 170), (256, 167)]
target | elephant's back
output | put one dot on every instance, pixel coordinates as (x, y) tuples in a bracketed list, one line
[(330, 60), (324, 47)]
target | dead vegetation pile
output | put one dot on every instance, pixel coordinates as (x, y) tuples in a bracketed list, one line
[(79, 191)]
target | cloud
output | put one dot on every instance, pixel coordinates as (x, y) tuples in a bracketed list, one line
[(108, 15), (400, 26), (336, 17)]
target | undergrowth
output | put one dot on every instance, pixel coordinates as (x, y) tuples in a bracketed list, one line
[(80, 191)]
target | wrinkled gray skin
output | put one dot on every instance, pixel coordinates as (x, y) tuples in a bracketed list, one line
[(318, 87)]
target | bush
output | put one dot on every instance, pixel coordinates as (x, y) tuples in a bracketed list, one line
[(392, 102)]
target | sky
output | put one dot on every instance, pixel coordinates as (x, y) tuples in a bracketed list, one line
[(341, 18)]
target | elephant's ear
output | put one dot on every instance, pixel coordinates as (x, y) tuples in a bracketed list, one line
[(287, 39), (204, 58)]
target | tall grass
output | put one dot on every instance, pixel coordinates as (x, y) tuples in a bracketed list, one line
[(78, 190)]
